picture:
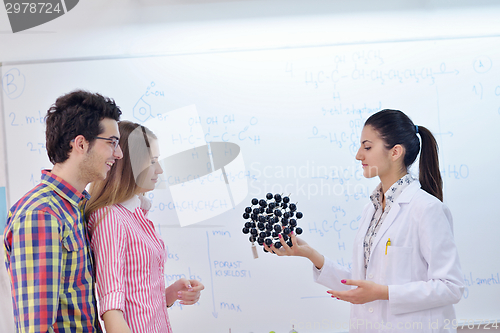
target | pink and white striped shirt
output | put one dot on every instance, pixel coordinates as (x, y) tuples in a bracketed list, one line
[(130, 258)]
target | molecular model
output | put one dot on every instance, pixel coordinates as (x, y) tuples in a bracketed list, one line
[(267, 218)]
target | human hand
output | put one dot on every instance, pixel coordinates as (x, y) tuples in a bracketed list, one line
[(188, 291), (299, 249), (366, 291)]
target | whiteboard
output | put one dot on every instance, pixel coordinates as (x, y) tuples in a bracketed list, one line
[(290, 120)]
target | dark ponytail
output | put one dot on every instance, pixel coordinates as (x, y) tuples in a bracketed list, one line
[(394, 127), (429, 174)]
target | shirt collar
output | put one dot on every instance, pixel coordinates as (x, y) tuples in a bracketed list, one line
[(392, 193), (137, 201), (132, 203), (63, 188)]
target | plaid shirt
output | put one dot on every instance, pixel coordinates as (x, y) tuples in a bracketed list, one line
[(48, 259)]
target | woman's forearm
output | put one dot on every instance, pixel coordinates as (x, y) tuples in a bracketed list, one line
[(171, 295), (114, 322), (316, 258)]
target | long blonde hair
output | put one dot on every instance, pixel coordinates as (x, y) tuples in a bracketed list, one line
[(121, 181)]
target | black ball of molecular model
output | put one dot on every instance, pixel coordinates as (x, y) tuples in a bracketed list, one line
[(267, 218)]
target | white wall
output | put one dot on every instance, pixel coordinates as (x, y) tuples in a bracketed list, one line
[(6, 321), (123, 28), (117, 28)]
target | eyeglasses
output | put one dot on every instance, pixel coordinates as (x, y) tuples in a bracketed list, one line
[(114, 141)]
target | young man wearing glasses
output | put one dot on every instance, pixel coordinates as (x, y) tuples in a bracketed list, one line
[(46, 245)]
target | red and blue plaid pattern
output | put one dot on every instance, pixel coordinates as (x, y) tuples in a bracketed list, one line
[(48, 259)]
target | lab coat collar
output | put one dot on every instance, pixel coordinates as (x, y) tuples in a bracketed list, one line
[(394, 191), (408, 193), (368, 212)]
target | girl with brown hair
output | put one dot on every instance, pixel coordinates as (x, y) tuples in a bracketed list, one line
[(129, 253)]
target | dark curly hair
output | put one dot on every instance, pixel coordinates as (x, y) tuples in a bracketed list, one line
[(73, 114)]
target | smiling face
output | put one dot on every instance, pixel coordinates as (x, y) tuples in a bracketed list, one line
[(374, 156), (101, 156), (148, 178)]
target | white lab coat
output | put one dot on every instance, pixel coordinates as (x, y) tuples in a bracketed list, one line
[(421, 268)]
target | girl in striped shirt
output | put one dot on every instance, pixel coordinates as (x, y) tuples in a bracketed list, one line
[(129, 253)]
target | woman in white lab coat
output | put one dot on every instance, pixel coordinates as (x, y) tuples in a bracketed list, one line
[(405, 274)]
